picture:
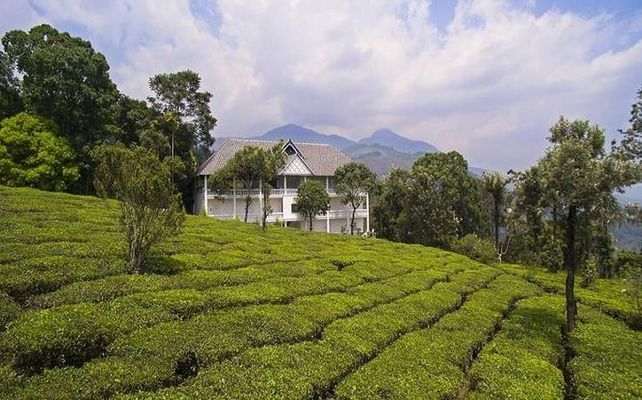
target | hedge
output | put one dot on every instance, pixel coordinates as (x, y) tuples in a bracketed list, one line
[(430, 363), (217, 335), (311, 368), (526, 356), (607, 363)]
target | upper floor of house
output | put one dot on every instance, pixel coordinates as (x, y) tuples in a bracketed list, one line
[(304, 161)]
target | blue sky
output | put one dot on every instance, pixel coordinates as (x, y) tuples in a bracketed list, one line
[(484, 77)]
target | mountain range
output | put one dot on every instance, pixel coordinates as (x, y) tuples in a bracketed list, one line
[(381, 151)]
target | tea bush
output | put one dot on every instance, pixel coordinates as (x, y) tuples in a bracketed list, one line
[(225, 310)]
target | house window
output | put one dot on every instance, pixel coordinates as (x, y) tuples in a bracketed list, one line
[(295, 208)]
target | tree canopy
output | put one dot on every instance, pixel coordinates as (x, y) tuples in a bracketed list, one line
[(32, 154), (354, 181), (574, 182), (312, 200), (150, 210)]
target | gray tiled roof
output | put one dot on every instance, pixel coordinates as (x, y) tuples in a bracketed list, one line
[(322, 159)]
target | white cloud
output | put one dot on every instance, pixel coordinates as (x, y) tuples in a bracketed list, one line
[(488, 85)]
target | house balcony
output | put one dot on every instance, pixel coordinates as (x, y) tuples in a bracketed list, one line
[(273, 217), (240, 193)]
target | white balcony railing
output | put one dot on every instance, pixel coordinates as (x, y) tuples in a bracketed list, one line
[(257, 192)]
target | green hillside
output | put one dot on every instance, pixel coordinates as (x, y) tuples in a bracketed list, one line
[(228, 311)]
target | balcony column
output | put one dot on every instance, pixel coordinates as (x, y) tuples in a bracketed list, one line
[(207, 210), (261, 201), (285, 183), (234, 196), (327, 214), (367, 212)]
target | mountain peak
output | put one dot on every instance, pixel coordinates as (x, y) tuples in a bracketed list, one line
[(390, 138)]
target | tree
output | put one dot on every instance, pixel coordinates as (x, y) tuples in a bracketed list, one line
[(10, 99), (184, 115), (390, 203), (574, 182), (150, 211), (312, 200), (444, 201), (273, 164), (64, 79), (178, 94), (354, 181), (494, 184), (247, 165), (631, 143), (31, 154)]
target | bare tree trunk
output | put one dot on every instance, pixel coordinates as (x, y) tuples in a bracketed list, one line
[(354, 210), (311, 217), (248, 201), (571, 303), (496, 224)]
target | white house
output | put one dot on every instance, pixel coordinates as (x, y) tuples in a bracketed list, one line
[(304, 161)]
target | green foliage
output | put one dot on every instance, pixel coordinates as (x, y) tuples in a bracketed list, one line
[(354, 181), (178, 93), (576, 179), (66, 80), (389, 203), (434, 204), (10, 100), (273, 163), (589, 272), (522, 359), (476, 248), (31, 154), (312, 200), (149, 210), (434, 358), (551, 253), (245, 313), (8, 310), (494, 185), (607, 358)]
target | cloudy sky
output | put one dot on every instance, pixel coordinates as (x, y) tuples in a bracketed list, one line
[(486, 78)]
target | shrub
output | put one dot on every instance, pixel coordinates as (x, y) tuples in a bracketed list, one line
[(607, 358), (150, 212), (590, 272), (476, 248), (522, 359), (8, 310)]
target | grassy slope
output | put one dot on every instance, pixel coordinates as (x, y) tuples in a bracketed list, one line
[(228, 311)]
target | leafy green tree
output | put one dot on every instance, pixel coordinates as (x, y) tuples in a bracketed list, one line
[(177, 95), (312, 200), (575, 180), (184, 116), (494, 184), (31, 154), (389, 204), (631, 143), (150, 211), (247, 166), (445, 201), (273, 164), (132, 120), (64, 79), (10, 99), (354, 181)]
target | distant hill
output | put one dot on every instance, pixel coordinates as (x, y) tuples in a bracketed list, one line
[(300, 134), (381, 152), (389, 138), (379, 158)]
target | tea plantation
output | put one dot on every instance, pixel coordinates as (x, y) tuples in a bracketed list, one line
[(225, 310)]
